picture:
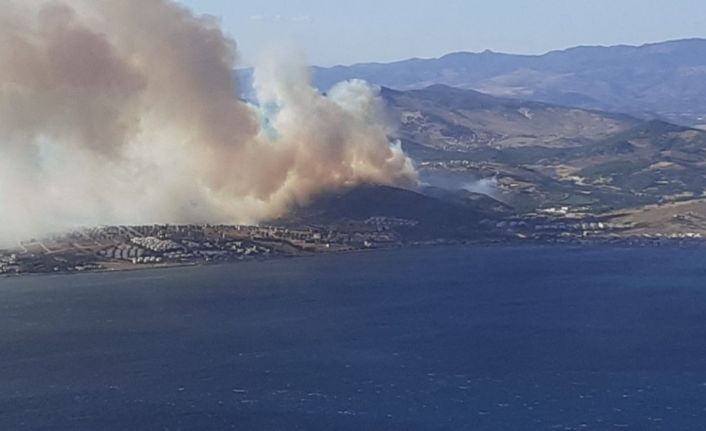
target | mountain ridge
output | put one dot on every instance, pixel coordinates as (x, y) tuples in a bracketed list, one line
[(662, 80), (509, 54)]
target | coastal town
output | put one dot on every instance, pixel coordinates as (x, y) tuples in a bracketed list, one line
[(112, 248), (125, 247)]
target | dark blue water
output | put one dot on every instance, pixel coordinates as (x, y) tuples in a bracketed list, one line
[(424, 339)]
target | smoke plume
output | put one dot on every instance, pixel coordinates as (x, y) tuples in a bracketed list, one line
[(124, 111)]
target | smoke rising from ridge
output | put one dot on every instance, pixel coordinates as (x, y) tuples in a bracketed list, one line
[(123, 111)]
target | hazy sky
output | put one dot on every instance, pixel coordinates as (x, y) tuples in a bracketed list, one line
[(337, 32)]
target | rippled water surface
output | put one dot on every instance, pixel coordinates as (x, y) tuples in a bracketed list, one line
[(419, 339)]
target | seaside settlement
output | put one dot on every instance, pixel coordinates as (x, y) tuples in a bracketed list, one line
[(130, 247), (126, 247)]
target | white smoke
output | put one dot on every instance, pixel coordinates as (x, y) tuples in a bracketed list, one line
[(485, 186), (123, 112)]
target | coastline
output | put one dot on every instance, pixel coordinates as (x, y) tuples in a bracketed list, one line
[(431, 245)]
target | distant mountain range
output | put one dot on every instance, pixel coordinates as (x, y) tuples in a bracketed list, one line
[(662, 80)]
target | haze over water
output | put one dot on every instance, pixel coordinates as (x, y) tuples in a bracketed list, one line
[(461, 338)]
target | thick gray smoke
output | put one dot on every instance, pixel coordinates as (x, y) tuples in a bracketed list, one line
[(123, 111)]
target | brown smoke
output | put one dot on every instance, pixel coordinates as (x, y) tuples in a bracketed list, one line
[(124, 111)]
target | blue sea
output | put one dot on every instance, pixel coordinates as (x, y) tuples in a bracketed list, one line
[(448, 338)]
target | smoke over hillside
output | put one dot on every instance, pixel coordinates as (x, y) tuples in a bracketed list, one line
[(122, 111)]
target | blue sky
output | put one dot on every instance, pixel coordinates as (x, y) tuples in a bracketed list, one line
[(336, 32)]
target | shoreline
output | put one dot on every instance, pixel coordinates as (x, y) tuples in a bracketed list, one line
[(611, 244)]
